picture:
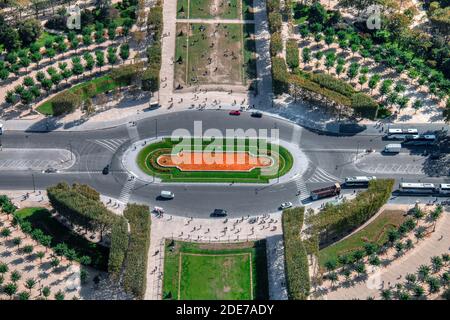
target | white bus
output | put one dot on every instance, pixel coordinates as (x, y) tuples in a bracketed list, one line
[(359, 181), (400, 134), (421, 188), (420, 139), (444, 188)]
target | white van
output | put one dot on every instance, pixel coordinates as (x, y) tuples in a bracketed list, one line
[(167, 194), (392, 148)]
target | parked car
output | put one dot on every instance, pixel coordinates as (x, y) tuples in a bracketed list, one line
[(256, 114), (50, 170), (286, 205), (167, 194), (218, 213), (235, 113), (106, 169)]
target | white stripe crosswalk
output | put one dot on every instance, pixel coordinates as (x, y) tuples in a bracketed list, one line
[(126, 190), (110, 144), (301, 186), (321, 175)]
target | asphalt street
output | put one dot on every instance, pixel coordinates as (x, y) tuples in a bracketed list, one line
[(331, 158)]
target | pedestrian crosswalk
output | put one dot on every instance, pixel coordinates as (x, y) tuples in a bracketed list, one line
[(395, 168), (301, 187), (110, 144), (126, 190), (321, 175)]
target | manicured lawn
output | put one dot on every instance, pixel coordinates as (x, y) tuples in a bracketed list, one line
[(146, 160), (41, 218), (194, 271), (227, 58), (101, 84), (202, 9), (375, 232)]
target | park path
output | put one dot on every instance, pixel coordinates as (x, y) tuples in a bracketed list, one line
[(212, 230), (409, 263), (217, 20)]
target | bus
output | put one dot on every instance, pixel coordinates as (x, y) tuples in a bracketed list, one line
[(326, 192), (418, 188), (359, 181), (444, 189), (421, 139), (401, 134)]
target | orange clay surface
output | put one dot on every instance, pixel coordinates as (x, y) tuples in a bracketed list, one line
[(218, 161)]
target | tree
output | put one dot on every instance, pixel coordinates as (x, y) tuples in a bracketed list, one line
[(10, 289), (59, 295), (3, 268), (333, 277), (330, 265), (46, 292), (17, 241), (434, 284), (100, 58), (124, 51), (40, 255), (24, 295), (423, 272), (112, 56), (437, 263), (386, 294), (55, 263), (360, 268), (5, 233), (353, 70), (15, 276), (418, 291), (30, 283), (306, 55), (411, 278)]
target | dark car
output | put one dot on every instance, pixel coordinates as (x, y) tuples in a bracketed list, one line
[(219, 213), (106, 169), (256, 114)]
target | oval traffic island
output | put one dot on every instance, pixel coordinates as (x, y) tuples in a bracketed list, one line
[(257, 161)]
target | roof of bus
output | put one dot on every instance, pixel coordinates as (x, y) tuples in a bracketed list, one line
[(416, 185)]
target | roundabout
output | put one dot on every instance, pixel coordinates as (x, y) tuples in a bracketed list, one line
[(187, 161)]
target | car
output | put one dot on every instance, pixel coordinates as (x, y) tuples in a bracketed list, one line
[(286, 205), (50, 170), (235, 113), (1, 128), (219, 213), (256, 114), (106, 169), (167, 194)]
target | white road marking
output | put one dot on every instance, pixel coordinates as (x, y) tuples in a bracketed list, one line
[(110, 144)]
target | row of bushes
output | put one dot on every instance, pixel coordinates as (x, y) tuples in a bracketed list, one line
[(150, 78), (135, 266), (336, 220), (296, 259), (119, 247), (81, 205)]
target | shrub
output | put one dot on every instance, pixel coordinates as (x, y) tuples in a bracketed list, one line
[(276, 44), (135, 272), (65, 103), (292, 56), (296, 260), (280, 76), (119, 246), (364, 106)]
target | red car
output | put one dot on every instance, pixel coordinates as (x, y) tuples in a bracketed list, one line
[(235, 113)]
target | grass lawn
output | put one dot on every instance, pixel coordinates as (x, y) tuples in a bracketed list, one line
[(146, 160), (375, 232), (101, 85), (202, 9), (41, 218), (215, 54), (195, 271)]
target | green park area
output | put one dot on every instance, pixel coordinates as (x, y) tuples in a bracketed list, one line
[(214, 54), (375, 232), (147, 161), (196, 271), (209, 9)]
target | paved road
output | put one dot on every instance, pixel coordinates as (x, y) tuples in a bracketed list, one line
[(331, 158)]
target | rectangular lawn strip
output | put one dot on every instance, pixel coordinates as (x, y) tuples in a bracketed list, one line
[(215, 271), (375, 232), (41, 218), (202, 9), (102, 84), (181, 54), (176, 175)]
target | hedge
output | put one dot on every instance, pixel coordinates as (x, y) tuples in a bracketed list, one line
[(78, 205), (135, 266), (276, 44), (292, 55), (333, 83), (336, 220), (280, 75), (119, 246), (364, 106), (66, 103), (296, 259)]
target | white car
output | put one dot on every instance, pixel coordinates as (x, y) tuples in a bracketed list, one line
[(286, 205)]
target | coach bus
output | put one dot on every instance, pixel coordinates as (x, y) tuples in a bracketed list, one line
[(421, 139), (444, 189), (400, 134), (359, 181), (418, 188)]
